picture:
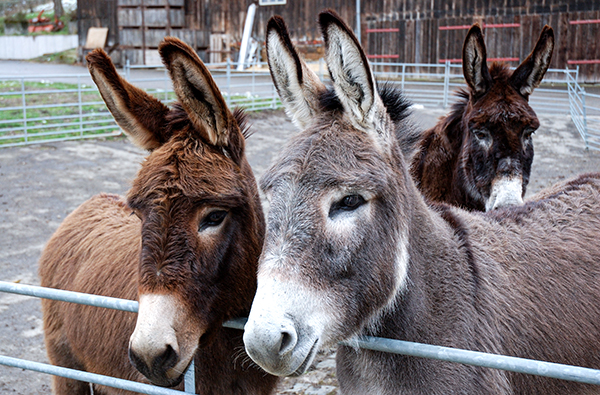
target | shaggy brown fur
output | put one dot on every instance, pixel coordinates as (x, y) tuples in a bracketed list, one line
[(488, 131), (197, 167)]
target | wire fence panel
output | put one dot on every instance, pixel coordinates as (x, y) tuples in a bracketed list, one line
[(34, 110), (66, 107), (591, 106), (475, 358)]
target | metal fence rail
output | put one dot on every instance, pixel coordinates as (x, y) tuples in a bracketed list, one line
[(502, 362), (88, 300), (33, 112)]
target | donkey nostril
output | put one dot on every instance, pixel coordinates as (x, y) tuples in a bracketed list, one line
[(287, 342), (166, 360)]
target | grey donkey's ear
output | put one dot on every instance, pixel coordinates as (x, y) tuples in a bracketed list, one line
[(298, 86), (350, 72), (197, 91), (141, 116), (529, 74), (475, 67)]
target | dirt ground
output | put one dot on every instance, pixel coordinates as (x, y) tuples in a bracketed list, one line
[(41, 184)]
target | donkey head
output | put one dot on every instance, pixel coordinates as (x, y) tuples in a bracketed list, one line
[(333, 192), (497, 149), (197, 200)]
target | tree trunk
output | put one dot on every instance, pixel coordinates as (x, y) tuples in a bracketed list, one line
[(58, 9)]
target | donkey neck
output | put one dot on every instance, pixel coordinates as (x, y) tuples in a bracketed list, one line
[(442, 280)]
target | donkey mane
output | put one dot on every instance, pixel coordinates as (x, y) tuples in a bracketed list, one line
[(397, 107), (461, 234), (177, 119)]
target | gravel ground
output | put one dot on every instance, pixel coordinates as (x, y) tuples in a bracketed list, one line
[(41, 184)]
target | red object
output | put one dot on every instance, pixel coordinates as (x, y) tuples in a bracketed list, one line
[(492, 25), (584, 21), (43, 24), (592, 61), (388, 30), (40, 28), (382, 56), (488, 59)]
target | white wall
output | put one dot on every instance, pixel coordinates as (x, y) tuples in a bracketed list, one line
[(28, 47)]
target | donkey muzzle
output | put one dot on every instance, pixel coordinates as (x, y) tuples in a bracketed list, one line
[(161, 346)]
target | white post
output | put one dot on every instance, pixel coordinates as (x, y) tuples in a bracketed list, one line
[(246, 36), (358, 20)]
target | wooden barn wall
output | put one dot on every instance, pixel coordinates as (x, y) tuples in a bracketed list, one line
[(229, 16), (97, 13), (418, 39)]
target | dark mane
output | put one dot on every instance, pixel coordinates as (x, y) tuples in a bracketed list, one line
[(241, 117), (395, 102), (398, 108), (178, 119), (500, 71), (329, 102)]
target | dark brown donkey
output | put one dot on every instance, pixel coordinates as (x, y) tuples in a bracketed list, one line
[(189, 254), (479, 156), (352, 248)]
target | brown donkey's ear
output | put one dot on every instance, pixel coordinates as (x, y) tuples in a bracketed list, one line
[(141, 116), (197, 91), (529, 74), (475, 67), (297, 85)]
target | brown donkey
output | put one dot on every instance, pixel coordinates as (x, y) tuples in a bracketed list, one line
[(352, 248), (189, 254), (479, 156)]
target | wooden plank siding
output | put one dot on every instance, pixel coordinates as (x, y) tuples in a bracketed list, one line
[(412, 26)]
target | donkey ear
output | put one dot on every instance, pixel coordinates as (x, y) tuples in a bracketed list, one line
[(475, 67), (141, 116), (349, 68), (197, 91), (298, 86), (529, 74)]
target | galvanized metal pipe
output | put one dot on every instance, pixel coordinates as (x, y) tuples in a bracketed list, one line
[(69, 296), (475, 358), (87, 377), (502, 362), (89, 300)]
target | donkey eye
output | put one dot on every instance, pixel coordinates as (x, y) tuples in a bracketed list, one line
[(351, 202), (528, 132), (481, 134), (347, 203), (214, 218)]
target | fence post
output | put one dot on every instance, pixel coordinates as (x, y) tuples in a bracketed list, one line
[(446, 83), (228, 73), (403, 74), (190, 379), (585, 128), (274, 96), (166, 85), (24, 102), (127, 69), (321, 69), (80, 106)]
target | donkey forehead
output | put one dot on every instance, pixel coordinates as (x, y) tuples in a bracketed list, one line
[(503, 107), (194, 170), (333, 155)]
